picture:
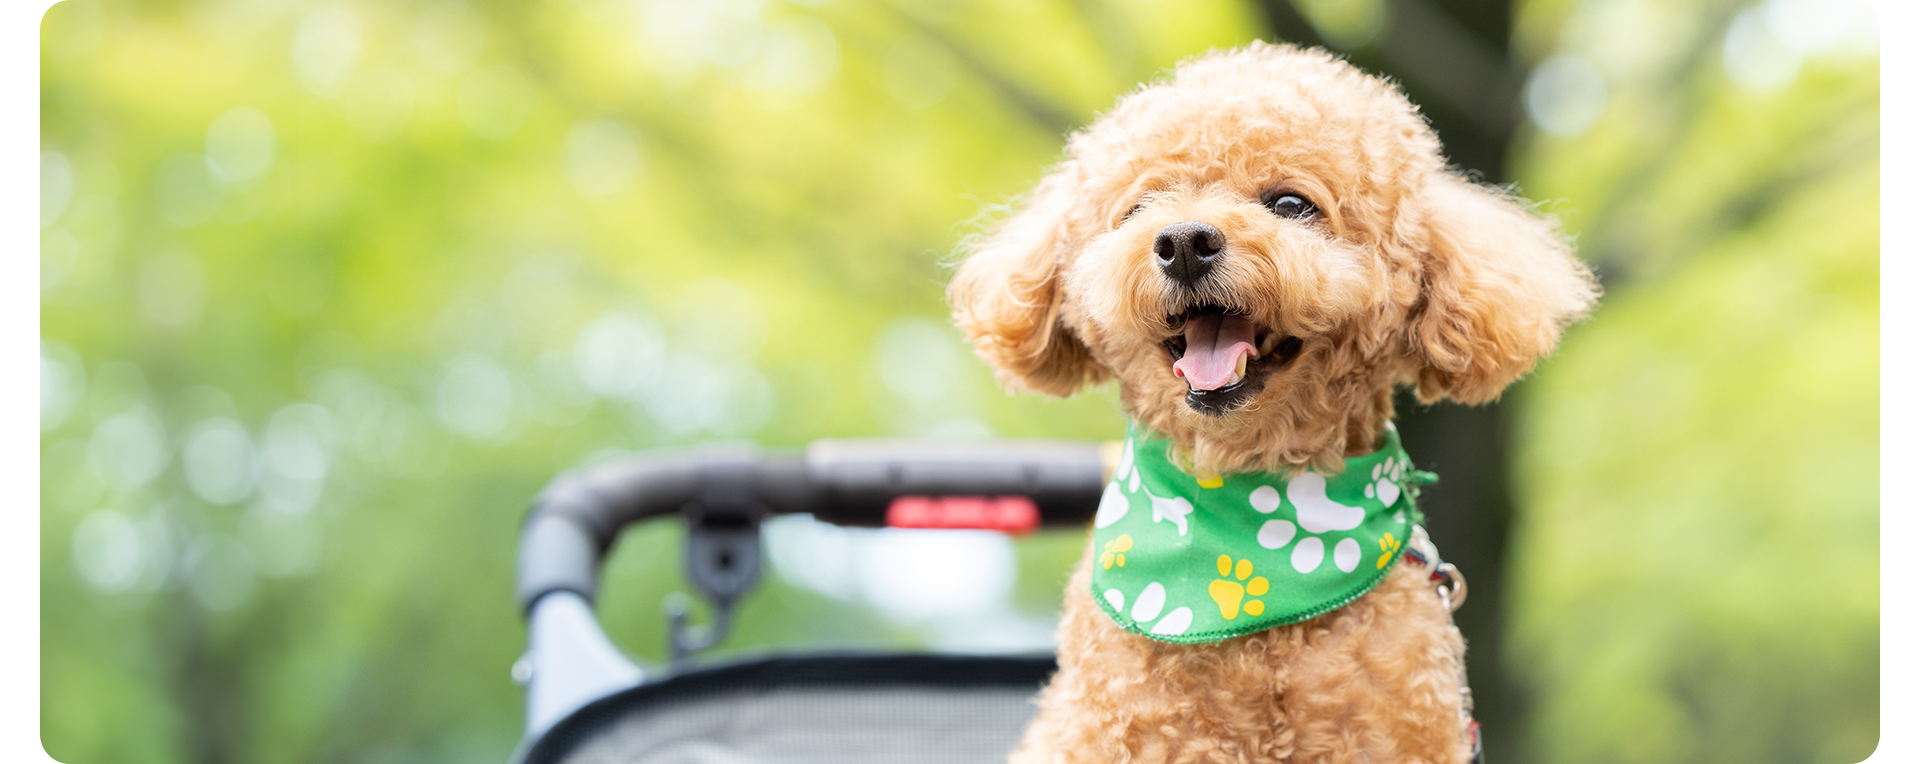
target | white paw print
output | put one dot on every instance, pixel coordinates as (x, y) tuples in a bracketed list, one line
[(1174, 510), (1147, 607), (1386, 481), (1317, 513)]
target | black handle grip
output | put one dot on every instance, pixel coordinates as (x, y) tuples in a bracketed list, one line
[(848, 482)]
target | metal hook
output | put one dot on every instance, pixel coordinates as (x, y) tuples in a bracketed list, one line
[(684, 639), (1453, 591)]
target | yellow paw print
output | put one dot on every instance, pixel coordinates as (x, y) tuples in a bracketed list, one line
[(1389, 546), (1115, 552), (1230, 594)]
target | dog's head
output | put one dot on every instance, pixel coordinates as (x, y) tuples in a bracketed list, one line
[(1259, 249)]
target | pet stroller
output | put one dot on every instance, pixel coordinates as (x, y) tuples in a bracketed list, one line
[(586, 702)]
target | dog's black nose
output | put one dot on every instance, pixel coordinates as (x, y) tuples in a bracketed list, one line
[(1188, 250)]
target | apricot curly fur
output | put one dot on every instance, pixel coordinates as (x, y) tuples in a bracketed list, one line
[(1377, 680), (1410, 275)]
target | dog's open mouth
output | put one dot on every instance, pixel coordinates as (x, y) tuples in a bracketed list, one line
[(1225, 357)]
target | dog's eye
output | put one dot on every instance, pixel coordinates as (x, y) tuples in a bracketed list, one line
[(1292, 207)]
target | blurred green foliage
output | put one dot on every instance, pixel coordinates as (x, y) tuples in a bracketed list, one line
[(1696, 564), (329, 291)]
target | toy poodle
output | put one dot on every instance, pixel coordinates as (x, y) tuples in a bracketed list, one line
[(1259, 249)]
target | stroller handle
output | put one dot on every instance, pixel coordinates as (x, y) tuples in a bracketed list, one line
[(847, 482)]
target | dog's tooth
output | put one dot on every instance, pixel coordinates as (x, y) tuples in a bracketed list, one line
[(1266, 345), (1237, 376), (1240, 368)]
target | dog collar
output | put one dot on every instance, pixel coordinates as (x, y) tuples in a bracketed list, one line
[(1190, 556)]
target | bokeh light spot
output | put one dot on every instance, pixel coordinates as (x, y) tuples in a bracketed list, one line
[(1823, 27), (325, 46), (911, 576), (240, 145), (1565, 95), (475, 397), (1756, 59), (916, 359), (618, 356), (917, 575), (218, 460), (796, 56), (294, 459), (106, 551), (63, 383), (128, 449), (56, 186), (697, 395), (599, 157)]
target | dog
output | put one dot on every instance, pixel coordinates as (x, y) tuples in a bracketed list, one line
[(1260, 248)]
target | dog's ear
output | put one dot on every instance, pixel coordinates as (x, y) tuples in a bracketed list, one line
[(1006, 296), (1499, 285)]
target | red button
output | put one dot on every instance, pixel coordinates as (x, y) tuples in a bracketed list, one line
[(1009, 514)]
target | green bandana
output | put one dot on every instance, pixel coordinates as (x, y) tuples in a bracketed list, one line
[(1189, 556)]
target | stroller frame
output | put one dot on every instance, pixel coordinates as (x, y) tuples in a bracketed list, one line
[(577, 680)]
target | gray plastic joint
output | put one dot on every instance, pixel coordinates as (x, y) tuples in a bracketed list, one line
[(557, 553)]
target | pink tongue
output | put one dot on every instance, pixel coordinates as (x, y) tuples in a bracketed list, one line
[(1215, 343)]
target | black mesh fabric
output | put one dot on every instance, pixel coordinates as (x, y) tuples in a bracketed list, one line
[(853, 709)]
